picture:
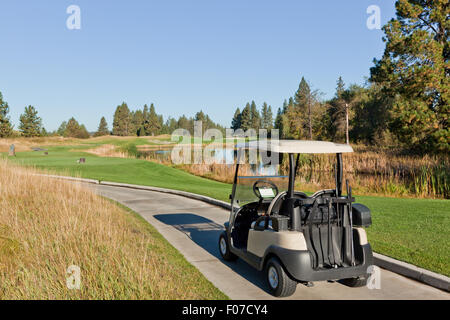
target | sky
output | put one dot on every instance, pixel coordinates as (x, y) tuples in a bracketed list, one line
[(181, 55)]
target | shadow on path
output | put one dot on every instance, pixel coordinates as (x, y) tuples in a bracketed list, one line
[(205, 233)]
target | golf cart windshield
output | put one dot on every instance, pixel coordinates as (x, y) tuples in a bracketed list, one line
[(254, 188)]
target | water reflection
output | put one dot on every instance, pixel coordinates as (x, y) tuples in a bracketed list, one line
[(225, 156)]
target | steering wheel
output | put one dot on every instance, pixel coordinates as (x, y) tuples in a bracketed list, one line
[(257, 184)]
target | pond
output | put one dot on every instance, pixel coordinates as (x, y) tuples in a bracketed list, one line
[(220, 156)]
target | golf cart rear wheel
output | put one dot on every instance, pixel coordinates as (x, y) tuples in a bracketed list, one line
[(224, 248), (355, 282), (279, 282)]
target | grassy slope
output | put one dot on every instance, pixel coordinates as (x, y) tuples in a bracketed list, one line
[(120, 255), (412, 230)]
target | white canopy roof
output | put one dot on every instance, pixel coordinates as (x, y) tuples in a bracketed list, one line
[(296, 146)]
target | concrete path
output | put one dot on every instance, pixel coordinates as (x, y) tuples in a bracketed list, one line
[(193, 227)]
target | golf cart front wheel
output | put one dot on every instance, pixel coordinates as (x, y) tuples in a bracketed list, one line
[(224, 248), (280, 283)]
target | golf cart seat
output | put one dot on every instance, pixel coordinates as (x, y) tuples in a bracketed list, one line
[(260, 224)]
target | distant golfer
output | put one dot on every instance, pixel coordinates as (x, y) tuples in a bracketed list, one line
[(12, 151)]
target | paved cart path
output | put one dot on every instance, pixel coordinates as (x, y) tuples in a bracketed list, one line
[(193, 227)]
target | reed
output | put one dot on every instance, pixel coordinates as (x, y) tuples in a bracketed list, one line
[(370, 171)]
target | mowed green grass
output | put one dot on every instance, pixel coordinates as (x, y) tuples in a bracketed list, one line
[(64, 160), (412, 230)]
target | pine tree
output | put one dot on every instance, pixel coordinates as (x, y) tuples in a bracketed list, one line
[(62, 129), (122, 125), (152, 125), (340, 111), (246, 118), (255, 117), (236, 122), (160, 123), (266, 117), (263, 116), (269, 118), (102, 128), (72, 128), (279, 120), (30, 124), (293, 122), (171, 125), (415, 71), (83, 133), (137, 120), (145, 115), (75, 130), (303, 102), (5, 125), (340, 87)]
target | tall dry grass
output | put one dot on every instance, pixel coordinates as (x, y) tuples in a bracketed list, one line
[(47, 225), (108, 150), (370, 171), (26, 144)]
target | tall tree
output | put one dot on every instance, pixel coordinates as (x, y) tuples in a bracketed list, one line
[(246, 118), (186, 123), (160, 123), (122, 125), (171, 125), (62, 129), (44, 132), (75, 130), (415, 70), (255, 116), (372, 113), (340, 87), (102, 128), (266, 117), (305, 100), (30, 124), (137, 121), (236, 122), (83, 133), (279, 121), (200, 116), (152, 124), (5, 124), (293, 122), (340, 110)]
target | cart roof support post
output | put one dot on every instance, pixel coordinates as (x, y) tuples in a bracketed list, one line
[(291, 175), (339, 174)]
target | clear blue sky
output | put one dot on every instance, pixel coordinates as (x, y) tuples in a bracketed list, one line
[(182, 55)]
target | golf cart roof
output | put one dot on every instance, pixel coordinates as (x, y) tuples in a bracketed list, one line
[(296, 146)]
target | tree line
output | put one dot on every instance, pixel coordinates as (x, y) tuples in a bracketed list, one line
[(252, 118), (145, 122), (405, 102)]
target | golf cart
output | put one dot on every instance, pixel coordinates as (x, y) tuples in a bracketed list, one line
[(294, 237)]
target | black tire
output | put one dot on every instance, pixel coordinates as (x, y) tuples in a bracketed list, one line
[(355, 282), (283, 285), (224, 248)]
